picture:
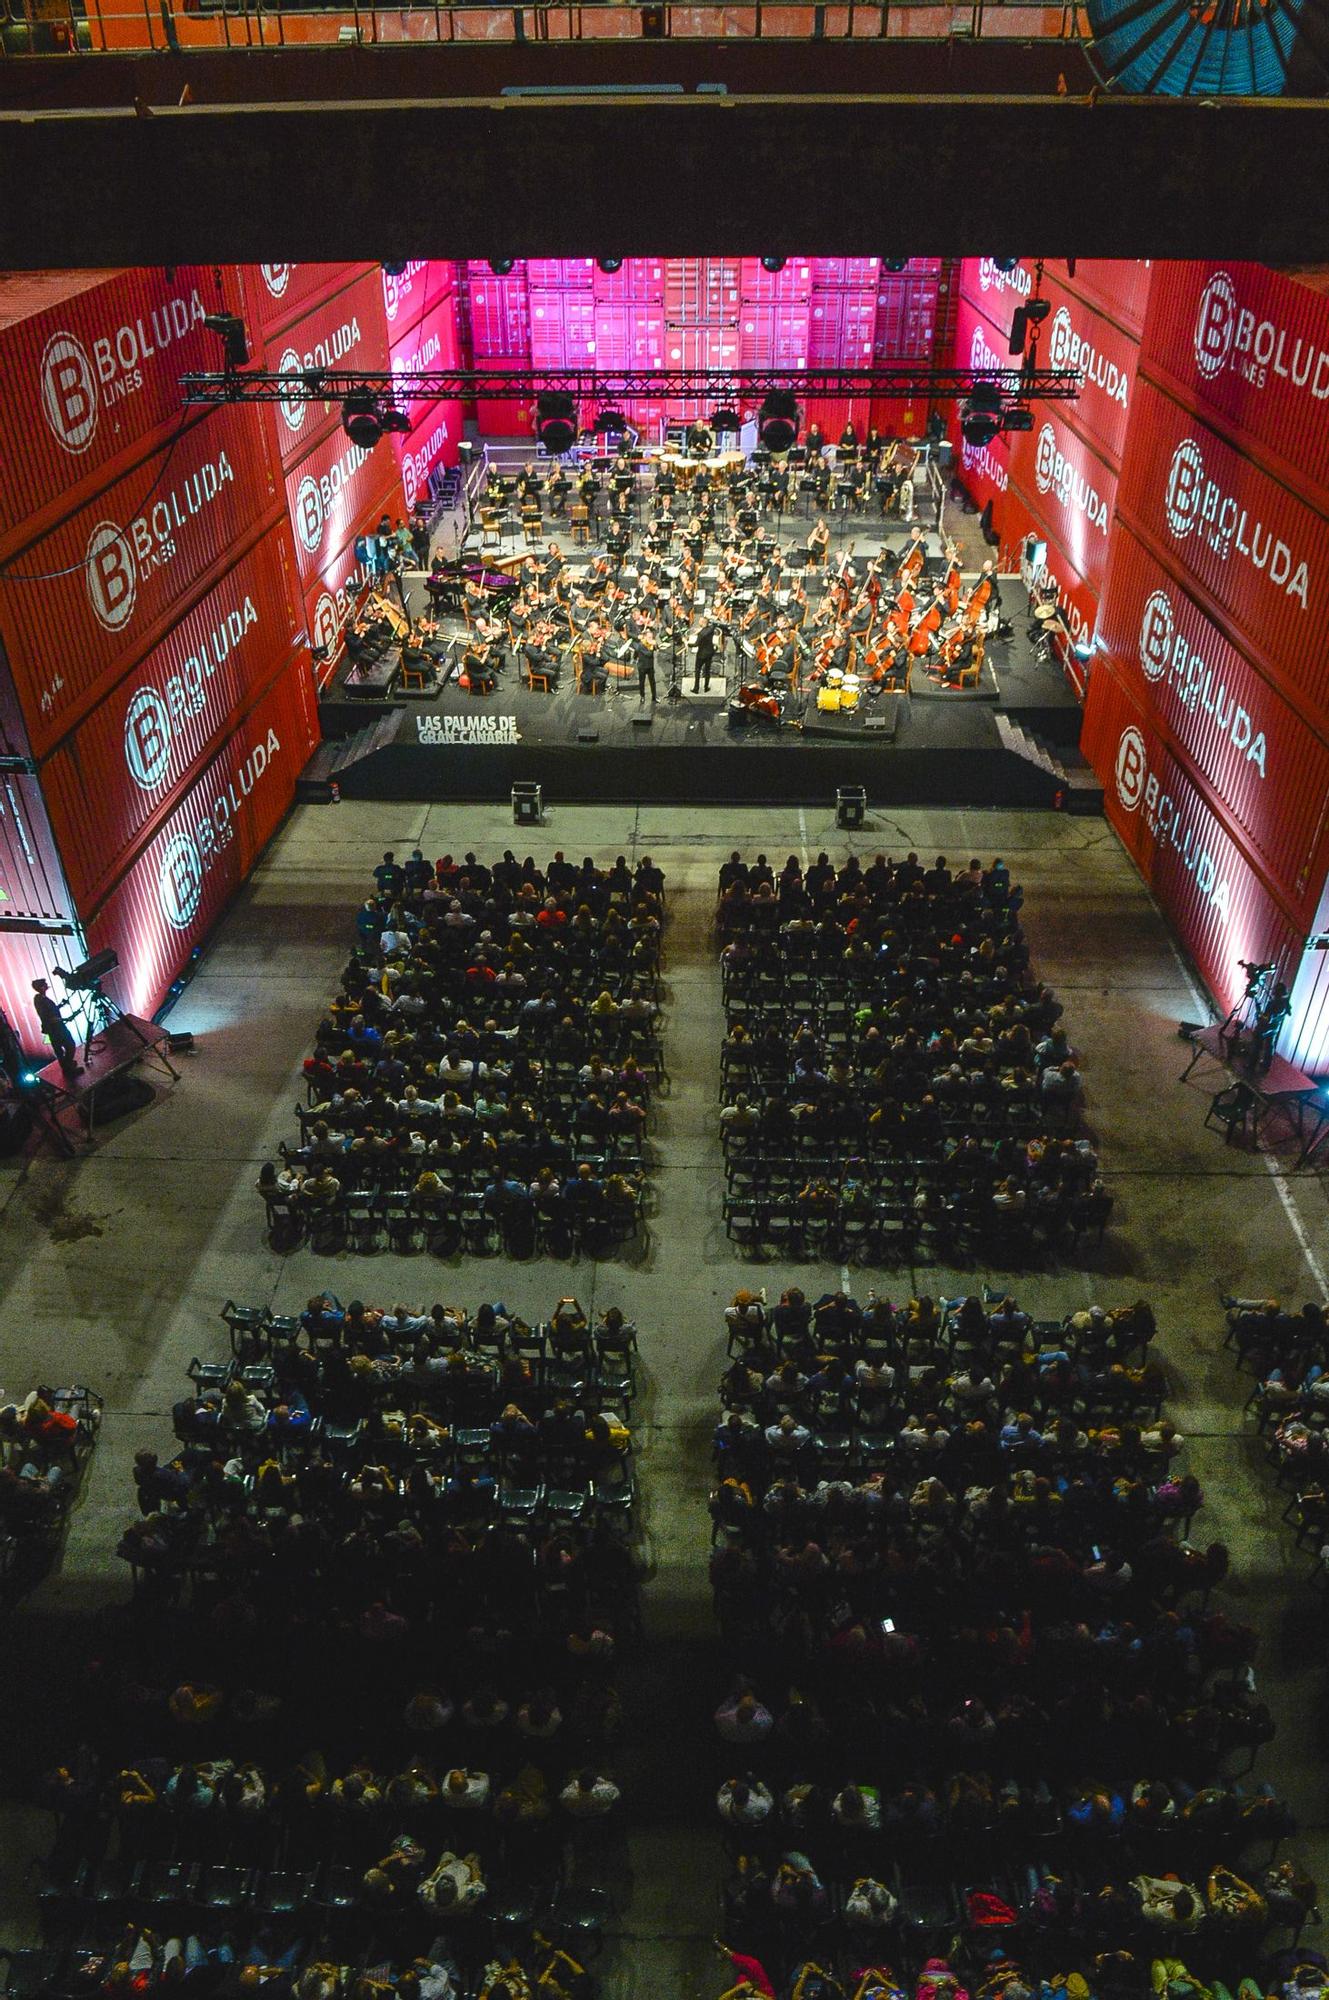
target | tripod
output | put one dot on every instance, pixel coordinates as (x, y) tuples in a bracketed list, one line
[(1243, 1018)]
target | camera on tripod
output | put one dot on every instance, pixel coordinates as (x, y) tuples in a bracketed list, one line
[(1256, 974), (100, 1011)]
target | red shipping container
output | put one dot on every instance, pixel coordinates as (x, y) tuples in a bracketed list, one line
[(169, 898), (90, 364), (1219, 906), (331, 488), (701, 347), (1016, 522), (1305, 1040), (908, 310), (152, 734), (433, 442), (562, 330), (28, 955), (504, 417), (792, 284), (832, 413), (499, 313), (1069, 488), (118, 570), (1249, 349), (432, 344), (639, 281), (629, 336), (414, 291), (701, 291), (335, 595), (1119, 288), (560, 274), (1075, 336), (280, 293), (1244, 543), (1251, 751), (774, 336), (346, 333), (852, 273), (842, 325)]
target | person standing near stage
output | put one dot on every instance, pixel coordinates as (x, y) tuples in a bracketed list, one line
[(55, 1028), (643, 647), (704, 659)]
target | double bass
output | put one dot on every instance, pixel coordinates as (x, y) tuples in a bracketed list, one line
[(925, 628), (756, 700)]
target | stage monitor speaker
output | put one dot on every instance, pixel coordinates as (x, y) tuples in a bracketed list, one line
[(642, 721), (588, 734), (877, 725)]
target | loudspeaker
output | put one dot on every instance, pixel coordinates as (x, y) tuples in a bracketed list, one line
[(642, 721), (588, 734), (652, 24), (877, 724)]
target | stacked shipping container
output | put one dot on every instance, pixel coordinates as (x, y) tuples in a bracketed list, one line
[(1209, 704), (161, 574)]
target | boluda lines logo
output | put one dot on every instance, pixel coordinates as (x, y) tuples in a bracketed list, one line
[(1137, 786), (990, 279), (118, 559), (981, 356), (276, 277), (397, 288), (1228, 335), (184, 865), (424, 356), (983, 462), (325, 353), (153, 711), (315, 499), (1166, 655), (415, 465), (1054, 473), (76, 386), (334, 607), (1194, 503), (1069, 349)]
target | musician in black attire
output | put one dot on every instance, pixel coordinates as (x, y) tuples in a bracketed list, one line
[(643, 648), (593, 670), (541, 660), (704, 658)]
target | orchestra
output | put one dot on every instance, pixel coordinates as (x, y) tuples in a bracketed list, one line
[(837, 627)]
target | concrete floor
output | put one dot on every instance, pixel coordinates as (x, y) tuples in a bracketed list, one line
[(113, 1267)]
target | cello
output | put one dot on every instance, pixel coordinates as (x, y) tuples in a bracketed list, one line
[(920, 638)]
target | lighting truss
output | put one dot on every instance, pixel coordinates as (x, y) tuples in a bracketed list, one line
[(721, 386)]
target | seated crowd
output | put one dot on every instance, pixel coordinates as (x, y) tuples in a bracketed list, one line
[(893, 1075), (45, 1442), (1288, 1355), (370, 1670), (979, 1687), (484, 1074)]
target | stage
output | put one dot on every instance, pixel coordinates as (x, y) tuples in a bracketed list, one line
[(931, 745)]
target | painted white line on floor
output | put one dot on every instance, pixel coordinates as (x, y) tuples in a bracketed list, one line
[(803, 836), (1272, 1168)]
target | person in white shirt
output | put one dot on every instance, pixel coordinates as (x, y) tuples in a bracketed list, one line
[(741, 1718), (588, 1796), (744, 1802), (457, 1883), (465, 1790)]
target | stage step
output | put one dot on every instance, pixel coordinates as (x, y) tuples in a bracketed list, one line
[(1073, 777), (331, 759)]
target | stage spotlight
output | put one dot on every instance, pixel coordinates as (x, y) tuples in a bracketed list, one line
[(896, 263), (1037, 310), (555, 422), (725, 423), (981, 415), (777, 420), (500, 266), (773, 264), (1018, 418), (361, 418), (609, 265), (1006, 264), (393, 270), (231, 332), (611, 423)]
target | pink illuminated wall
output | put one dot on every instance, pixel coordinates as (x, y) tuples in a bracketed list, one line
[(703, 312)]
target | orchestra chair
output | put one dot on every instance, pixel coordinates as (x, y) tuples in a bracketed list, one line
[(969, 675), (581, 523), (491, 528), (538, 680), (532, 526), (415, 676)]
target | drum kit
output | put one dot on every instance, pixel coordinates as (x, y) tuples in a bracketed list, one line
[(839, 693)]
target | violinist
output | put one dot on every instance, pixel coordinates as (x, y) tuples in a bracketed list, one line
[(643, 650), (819, 541), (539, 655), (478, 672), (593, 668), (860, 616)]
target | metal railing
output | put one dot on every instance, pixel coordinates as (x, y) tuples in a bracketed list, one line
[(35, 27)]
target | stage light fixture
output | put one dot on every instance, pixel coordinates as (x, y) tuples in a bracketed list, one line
[(231, 332), (609, 265), (393, 270), (1006, 264), (556, 422), (773, 264), (777, 420), (1019, 331), (896, 263), (365, 419), (1018, 418), (981, 415), (1037, 310), (611, 423), (725, 423), (501, 266)]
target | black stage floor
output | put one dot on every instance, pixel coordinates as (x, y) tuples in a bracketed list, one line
[(938, 744)]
